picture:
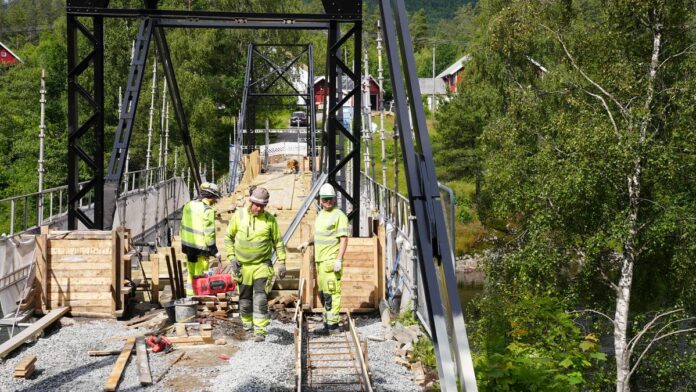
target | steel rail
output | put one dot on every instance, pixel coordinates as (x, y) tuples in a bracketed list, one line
[(336, 364)]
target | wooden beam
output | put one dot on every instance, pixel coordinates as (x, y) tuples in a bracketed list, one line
[(154, 287), (164, 372), (31, 332), (103, 353), (360, 355), (144, 373), (182, 288), (121, 362)]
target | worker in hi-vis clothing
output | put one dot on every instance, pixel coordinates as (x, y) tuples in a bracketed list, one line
[(330, 243), (198, 232), (251, 238)]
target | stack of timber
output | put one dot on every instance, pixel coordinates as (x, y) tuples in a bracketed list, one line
[(362, 283), (25, 368), (220, 306), (85, 270)]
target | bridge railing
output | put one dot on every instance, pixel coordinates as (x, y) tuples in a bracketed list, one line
[(392, 206), (22, 213)]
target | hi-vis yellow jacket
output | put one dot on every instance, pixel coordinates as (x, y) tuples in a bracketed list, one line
[(252, 239), (198, 229)]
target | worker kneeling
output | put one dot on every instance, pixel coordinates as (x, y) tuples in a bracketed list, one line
[(251, 238), (198, 232), (330, 243)]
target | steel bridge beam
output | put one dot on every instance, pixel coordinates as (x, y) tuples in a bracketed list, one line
[(90, 130), (244, 25), (338, 159), (239, 17), (444, 310)]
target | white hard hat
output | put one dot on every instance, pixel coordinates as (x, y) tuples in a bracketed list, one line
[(210, 190), (327, 191), (259, 195)]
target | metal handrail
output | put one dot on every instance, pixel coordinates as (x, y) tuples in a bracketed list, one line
[(392, 206), (134, 180)]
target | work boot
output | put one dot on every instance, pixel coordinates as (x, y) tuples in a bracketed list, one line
[(327, 329), (259, 338)]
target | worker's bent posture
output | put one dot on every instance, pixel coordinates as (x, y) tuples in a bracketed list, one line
[(330, 243), (198, 232), (251, 238)]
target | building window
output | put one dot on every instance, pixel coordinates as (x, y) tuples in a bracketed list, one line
[(3, 54)]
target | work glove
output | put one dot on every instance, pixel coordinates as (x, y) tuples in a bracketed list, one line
[(303, 246), (338, 264), (281, 270), (235, 266)]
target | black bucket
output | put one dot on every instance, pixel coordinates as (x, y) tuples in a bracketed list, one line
[(171, 311)]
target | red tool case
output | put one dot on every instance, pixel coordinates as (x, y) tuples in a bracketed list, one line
[(211, 285)]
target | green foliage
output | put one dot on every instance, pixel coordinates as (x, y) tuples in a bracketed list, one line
[(531, 344), (464, 212), (407, 317), (556, 111)]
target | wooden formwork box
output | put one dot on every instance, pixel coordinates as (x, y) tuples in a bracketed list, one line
[(86, 270), (362, 283)]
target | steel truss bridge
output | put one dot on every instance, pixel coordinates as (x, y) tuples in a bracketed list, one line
[(92, 201)]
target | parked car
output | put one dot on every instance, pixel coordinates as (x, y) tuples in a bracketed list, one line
[(299, 119)]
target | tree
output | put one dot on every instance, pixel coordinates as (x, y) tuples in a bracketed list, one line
[(586, 149)]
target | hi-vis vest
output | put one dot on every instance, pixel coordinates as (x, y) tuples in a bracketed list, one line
[(197, 228), (252, 239), (329, 227)]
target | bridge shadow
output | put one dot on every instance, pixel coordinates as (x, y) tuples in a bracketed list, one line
[(49, 383)]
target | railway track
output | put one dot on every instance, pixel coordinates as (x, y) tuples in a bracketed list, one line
[(330, 363)]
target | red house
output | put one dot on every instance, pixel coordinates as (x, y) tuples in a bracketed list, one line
[(453, 74), (320, 88), (7, 57)]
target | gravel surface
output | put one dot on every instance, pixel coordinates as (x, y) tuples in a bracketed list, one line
[(387, 375), (63, 364), (267, 366)]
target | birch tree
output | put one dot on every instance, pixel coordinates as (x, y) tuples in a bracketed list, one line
[(591, 159)]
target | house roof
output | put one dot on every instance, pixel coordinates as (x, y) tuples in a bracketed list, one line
[(456, 66), (11, 52), (347, 82), (426, 86)]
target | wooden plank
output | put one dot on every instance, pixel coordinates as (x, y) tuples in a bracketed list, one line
[(381, 259), (25, 362), (80, 273), (186, 339), (31, 331), (80, 302), (175, 270), (41, 254), (78, 296), (76, 247), (103, 353), (79, 235), (90, 309), (64, 281), (182, 290), (108, 314), (116, 277), (145, 317), (360, 355), (376, 275), (164, 372), (172, 282), (81, 258), (121, 362), (144, 373), (70, 288), (154, 275)]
